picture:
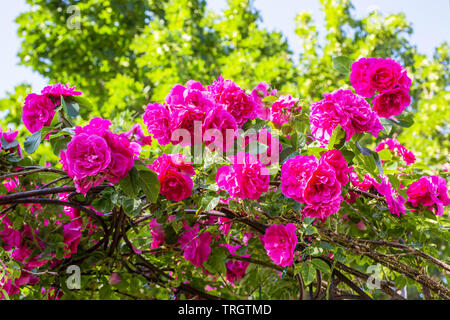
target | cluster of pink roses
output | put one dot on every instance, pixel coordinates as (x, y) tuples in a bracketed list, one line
[(95, 154), (318, 183), (22, 245), (213, 114), (201, 112), (39, 109), (342, 107), (174, 176), (246, 179), (396, 147), (387, 77)]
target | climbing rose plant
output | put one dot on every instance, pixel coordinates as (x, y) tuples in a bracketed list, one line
[(231, 194)]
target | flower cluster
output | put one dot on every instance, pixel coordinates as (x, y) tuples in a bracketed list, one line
[(396, 147), (39, 109), (429, 192), (387, 77), (192, 114), (95, 154), (342, 107), (246, 179), (318, 183), (174, 176), (27, 246)]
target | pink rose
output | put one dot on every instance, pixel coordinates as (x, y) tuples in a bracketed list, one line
[(173, 175), (430, 192), (279, 242), (342, 107), (359, 77), (86, 155), (294, 175), (196, 247), (322, 186), (259, 93), (392, 102), (55, 92), (395, 202), (38, 112), (282, 109), (157, 233), (219, 129), (384, 74), (241, 106), (247, 179), (157, 119)]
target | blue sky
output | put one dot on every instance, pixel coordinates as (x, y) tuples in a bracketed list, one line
[(431, 23)]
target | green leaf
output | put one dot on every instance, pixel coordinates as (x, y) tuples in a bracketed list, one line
[(310, 230), (343, 65), (254, 147), (83, 101), (130, 183), (216, 261), (404, 120), (321, 265), (132, 207), (308, 272), (209, 202), (385, 154), (270, 99), (32, 142), (337, 138), (150, 184), (73, 109), (9, 145), (59, 143)]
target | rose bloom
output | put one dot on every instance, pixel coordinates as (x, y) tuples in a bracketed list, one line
[(359, 77), (157, 233), (196, 247), (122, 157), (219, 129), (55, 91), (279, 242), (247, 179), (38, 111), (86, 155), (392, 102), (295, 173), (384, 74), (342, 107), (430, 192), (395, 146), (157, 119), (395, 202), (241, 106), (282, 109), (173, 175)]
